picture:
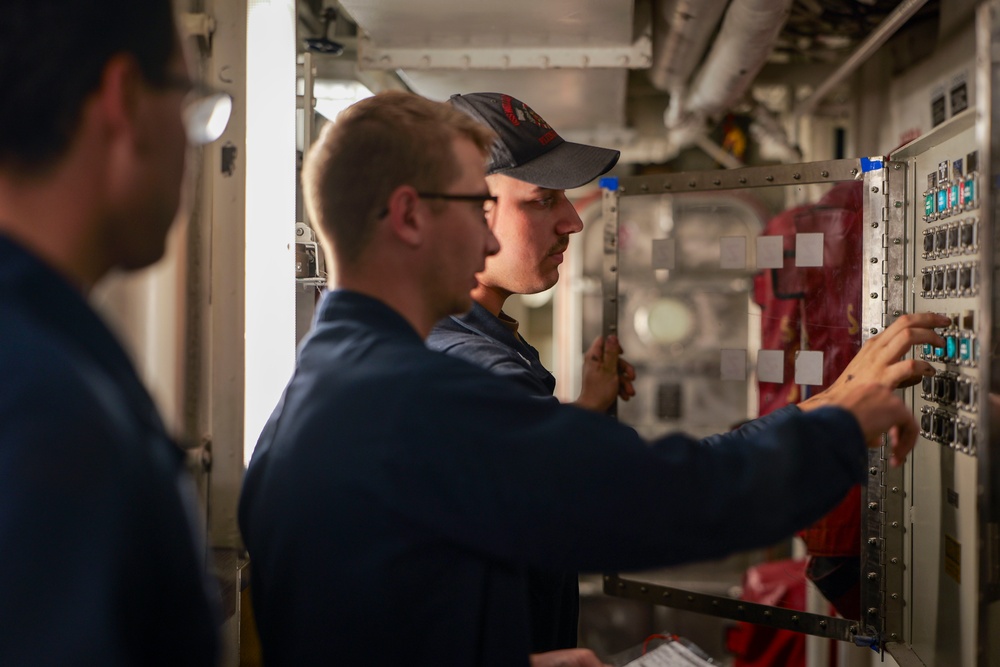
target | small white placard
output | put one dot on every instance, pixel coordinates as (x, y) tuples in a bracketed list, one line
[(733, 365), (771, 365), (808, 250), (664, 254), (770, 252), (733, 252), (809, 368)]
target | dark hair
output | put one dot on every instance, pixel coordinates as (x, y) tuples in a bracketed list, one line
[(52, 55), (376, 145)]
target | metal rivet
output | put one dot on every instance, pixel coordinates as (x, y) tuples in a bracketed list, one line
[(896, 313), (895, 596), (795, 618), (872, 576), (717, 182), (873, 506), (644, 589), (824, 173), (874, 260), (769, 178), (796, 176), (872, 611), (692, 184), (895, 524), (897, 277), (767, 614), (895, 489), (822, 624), (743, 179), (893, 560), (897, 241), (873, 471), (874, 225), (874, 295), (898, 204), (873, 331), (874, 189), (666, 594), (872, 541), (897, 166), (894, 636), (854, 172)]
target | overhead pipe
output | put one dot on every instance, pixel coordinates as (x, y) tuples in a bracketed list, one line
[(893, 22), (681, 33), (749, 32)]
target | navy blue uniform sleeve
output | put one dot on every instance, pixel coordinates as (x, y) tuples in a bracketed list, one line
[(562, 488), (754, 428)]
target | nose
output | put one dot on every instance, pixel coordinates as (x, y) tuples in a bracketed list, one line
[(568, 221)]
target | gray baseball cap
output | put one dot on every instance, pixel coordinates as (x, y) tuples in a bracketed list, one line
[(528, 149)]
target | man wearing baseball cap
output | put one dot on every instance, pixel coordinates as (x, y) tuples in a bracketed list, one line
[(529, 171)]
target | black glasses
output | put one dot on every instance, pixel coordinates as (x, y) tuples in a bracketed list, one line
[(206, 111), (487, 200)]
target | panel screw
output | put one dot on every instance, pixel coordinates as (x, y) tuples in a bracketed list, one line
[(822, 624), (895, 596), (874, 295), (717, 182), (796, 176), (874, 260), (872, 541), (795, 618), (895, 524), (897, 277), (872, 611), (873, 471), (854, 172), (769, 178), (893, 560), (743, 179), (896, 313), (666, 594), (895, 489), (873, 331), (894, 636), (898, 204), (874, 225), (644, 589), (872, 576), (874, 189), (824, 173), (897, 241), (873, 506), (897, 166)]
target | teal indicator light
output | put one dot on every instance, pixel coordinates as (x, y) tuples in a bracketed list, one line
[(952, 347), (929, 204), (953, 200), (964, 349), (942, 201), (969, 194)]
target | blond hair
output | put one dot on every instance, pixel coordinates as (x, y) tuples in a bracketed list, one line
[(375, 146)]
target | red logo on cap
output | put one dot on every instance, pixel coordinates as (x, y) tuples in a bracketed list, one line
[(509, 110), (547, 137)]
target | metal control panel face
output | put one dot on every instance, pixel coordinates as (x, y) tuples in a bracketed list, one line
[(943, 232)]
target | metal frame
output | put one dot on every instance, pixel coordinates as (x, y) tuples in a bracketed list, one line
[(875, 313)]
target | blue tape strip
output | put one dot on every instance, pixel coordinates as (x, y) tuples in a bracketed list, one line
[(871, 163), (609, 183)]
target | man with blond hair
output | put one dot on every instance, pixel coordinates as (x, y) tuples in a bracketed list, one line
[(397, 495)]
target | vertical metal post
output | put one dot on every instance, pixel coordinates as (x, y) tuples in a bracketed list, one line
[(609, 276)]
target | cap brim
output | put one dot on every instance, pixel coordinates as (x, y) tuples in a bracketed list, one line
[(566, 166)]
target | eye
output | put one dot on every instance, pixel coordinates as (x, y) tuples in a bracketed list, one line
[(544, 202)]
